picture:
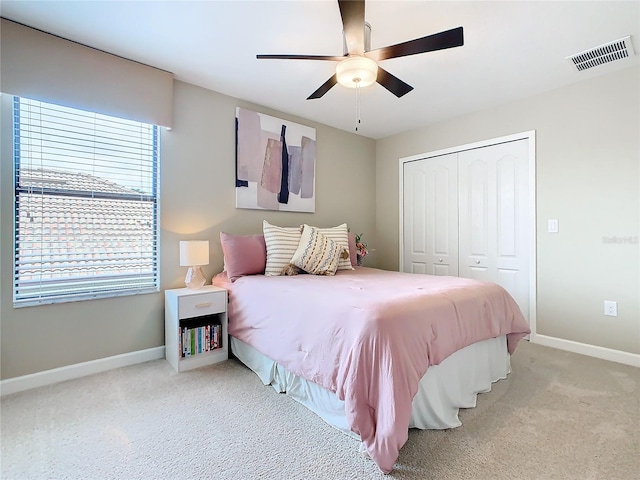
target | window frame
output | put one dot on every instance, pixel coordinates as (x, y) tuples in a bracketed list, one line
[(87, 289)]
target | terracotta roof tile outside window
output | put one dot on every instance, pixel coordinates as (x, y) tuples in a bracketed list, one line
[(84, 228)]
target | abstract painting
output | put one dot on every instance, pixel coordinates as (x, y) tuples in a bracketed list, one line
[(275, 163)]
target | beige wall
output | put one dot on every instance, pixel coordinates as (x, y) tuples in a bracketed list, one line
[(588, 172), (197, 202), (588, 155)]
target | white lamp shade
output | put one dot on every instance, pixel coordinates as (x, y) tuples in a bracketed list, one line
[(194, 252), (357, 71)]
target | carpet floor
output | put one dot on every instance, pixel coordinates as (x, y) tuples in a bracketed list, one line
[(557, 416)]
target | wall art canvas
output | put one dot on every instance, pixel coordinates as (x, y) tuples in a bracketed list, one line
[(275, 163)]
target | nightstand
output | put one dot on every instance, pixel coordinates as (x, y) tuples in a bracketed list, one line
[(195, 327)]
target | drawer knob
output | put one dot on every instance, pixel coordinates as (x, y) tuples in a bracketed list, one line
[(203, 305), (440, 260), (478, 262)]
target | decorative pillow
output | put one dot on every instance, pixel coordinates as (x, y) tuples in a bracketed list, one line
[(316, 253), (353, 253), (340, 235), (282, 243), (243, 255)]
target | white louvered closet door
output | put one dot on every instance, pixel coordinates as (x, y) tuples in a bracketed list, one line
[(431, 216), (493, 185)]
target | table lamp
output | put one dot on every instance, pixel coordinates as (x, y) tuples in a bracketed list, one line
[(193, 254)]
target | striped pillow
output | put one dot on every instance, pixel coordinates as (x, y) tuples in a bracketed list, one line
[(316, 253), (282, 243), (340, 235)]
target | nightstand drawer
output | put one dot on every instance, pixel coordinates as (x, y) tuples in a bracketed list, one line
[(204, 304)]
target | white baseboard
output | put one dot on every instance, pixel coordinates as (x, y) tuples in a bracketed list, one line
[(49, 377), (617, 356), (55, 375)]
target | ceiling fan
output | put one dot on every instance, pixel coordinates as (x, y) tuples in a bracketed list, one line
[(358, 65)]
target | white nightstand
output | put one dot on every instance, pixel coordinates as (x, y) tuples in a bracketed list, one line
[(193, 319)]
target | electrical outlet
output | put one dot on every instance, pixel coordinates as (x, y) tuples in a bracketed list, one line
[(552, 226), (610, 308)]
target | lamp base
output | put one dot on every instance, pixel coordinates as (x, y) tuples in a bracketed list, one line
[(195, 278)]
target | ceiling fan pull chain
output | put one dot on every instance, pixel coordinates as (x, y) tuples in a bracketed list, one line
[(357, 105), (359, 102)]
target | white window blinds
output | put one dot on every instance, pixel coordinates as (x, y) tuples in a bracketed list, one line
[(86, 204)]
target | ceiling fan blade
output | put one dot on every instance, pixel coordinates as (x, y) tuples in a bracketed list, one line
[(352, 13), (301, 57), (324, 88), (393, 84), (438, 41)]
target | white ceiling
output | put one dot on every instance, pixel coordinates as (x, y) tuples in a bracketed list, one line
[(512, 50)]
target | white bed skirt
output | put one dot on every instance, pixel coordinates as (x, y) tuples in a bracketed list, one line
[(443, 390)]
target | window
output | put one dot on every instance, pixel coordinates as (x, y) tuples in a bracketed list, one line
[(86, 204)]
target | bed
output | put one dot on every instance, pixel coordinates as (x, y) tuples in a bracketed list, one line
[(375, 352)]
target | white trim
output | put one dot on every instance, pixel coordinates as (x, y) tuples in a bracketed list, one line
[(401, 215), (529, 135), (533, 248), (69, 372), (603, 353)]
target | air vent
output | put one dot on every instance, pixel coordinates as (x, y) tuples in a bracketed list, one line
[(609, 52)]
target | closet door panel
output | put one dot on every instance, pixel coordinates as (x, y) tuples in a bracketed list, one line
[(476, 219), (494, 193), (430, 218)]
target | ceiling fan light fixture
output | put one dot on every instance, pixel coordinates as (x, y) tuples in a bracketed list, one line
[(357, 71)]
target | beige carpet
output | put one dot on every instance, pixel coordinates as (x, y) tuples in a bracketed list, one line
[(558, 415)]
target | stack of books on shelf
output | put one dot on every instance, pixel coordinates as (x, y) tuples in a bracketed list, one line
[(202, 339)]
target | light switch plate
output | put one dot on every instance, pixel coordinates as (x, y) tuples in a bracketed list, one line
[(553, 226)]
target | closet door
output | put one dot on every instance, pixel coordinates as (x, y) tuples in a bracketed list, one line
[(430, 216), (494, 217)]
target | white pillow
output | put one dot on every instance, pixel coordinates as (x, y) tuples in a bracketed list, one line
[(340, 235), (282, 243), (316, 253)]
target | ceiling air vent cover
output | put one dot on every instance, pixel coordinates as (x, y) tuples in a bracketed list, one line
[(609, 52)]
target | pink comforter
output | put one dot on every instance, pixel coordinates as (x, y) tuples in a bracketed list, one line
[(369, 336)]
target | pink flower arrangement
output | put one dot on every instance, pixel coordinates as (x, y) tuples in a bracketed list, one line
[(361, 248)]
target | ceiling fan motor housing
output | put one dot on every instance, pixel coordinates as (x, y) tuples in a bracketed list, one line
[(367, 40)]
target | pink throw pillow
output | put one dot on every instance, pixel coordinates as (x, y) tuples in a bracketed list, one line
[(243, 255), (352, 249)]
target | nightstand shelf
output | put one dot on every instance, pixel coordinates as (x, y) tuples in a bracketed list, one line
[(191, 309)]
